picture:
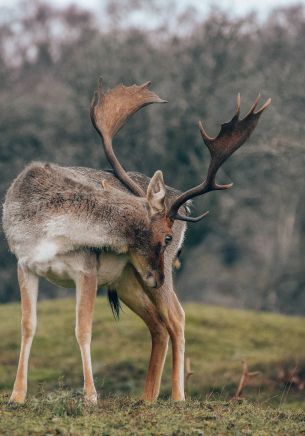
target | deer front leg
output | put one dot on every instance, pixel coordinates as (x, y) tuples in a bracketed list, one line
[(133, 295), (159, 346), (28, 283), (175, 323), (173, 316), (176, 331), (86, 287)]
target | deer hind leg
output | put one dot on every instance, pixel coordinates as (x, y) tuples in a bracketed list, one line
[(133, 295), (28, 283), (86, 287)]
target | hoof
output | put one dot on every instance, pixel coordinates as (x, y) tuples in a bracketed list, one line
[(177, 398), (91, 399), (17, 397), (149, 398)]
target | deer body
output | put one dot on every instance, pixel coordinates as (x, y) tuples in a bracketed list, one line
[(68, 218), (89, 228)]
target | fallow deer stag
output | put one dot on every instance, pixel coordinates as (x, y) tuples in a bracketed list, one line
[(88, 228)]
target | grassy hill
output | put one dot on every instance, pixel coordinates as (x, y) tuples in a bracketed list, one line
[(217, 339)]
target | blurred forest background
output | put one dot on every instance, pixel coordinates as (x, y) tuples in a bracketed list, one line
[(249, 252)]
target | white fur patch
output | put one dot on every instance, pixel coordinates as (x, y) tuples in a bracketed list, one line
[(45, 251), (182, 236), (74, 233)]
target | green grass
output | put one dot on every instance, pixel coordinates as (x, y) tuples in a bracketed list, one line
[(217, 339)]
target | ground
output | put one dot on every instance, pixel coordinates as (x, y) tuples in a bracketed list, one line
[(217, 340)]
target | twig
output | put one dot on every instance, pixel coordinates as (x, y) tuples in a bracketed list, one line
[(188, 372), (244, 380)]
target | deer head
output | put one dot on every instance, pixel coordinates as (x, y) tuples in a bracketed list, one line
[(108, 112), (149, 231)]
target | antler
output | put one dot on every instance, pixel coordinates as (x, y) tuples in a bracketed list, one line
[(108, 113), (231, 136)]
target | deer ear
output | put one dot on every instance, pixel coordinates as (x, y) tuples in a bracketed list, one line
[(156, 192)]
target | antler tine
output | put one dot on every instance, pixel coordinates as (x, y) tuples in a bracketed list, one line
[(206, 138), (231, 136), (237, 105), (191, 219), (109, 111), (265, 105), (253, 107)]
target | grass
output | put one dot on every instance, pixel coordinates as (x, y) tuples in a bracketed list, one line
[(217, 340), (65, 414)]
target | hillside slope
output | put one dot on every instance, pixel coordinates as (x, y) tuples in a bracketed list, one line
[(217, 339)]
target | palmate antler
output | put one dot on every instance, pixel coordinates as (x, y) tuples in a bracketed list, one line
[(110, 110), (231, 136)]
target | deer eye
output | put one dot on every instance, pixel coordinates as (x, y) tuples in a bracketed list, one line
[(168, 239)]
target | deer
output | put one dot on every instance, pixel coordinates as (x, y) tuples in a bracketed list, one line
[(87, 228)]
